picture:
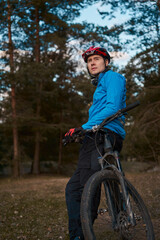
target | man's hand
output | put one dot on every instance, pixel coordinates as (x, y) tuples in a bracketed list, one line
[(73, 131), (69, 136)]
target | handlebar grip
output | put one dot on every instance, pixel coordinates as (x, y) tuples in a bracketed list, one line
[(130, 106)]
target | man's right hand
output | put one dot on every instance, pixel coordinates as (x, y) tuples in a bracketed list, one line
[(69, 136)]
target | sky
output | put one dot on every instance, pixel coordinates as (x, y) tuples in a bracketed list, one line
[(91, 15)]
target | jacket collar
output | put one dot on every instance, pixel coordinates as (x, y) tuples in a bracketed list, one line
[(95, 79), (102, 74)]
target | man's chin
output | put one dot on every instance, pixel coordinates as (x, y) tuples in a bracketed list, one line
[(95, 73)]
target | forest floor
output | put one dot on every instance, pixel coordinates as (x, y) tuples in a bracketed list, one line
[(33, 208)]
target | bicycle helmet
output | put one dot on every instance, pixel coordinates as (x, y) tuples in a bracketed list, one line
[(96, 51)]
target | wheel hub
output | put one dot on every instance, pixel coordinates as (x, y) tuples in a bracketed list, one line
[(123, 226)]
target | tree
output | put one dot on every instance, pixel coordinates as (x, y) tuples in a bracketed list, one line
[(53, 34), (8, 12), (50, 91), (143, 73), (141, 23), (140, 33), (49, 29)]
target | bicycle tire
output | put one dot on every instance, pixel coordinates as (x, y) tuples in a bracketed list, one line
[(143, 229)]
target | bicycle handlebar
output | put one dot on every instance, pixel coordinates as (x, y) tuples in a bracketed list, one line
[(119, 112), (130, 106), (108, 119)]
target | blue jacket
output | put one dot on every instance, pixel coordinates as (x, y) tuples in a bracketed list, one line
[(108, 98)]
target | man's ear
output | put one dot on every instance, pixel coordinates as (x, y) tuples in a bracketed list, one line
[(106, 62)]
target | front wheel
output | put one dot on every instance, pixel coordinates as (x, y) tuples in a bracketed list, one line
[(102, 227)]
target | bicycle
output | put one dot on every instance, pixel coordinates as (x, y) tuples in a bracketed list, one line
[(122, 213)]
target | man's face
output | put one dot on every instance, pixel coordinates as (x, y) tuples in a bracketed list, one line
[(96, 64)]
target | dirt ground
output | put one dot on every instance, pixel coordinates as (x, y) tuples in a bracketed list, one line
[(33, 208)]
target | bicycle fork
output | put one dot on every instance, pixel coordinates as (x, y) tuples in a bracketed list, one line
[(111, 204), (127, 201)]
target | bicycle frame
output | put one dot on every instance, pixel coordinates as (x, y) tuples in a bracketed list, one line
[(119, 194), (116, 168)]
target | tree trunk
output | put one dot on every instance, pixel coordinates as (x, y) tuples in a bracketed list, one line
[(16, 168), (36, 161), (60, 145), (60, 149)]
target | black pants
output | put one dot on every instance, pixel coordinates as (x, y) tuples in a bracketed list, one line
[(87, 166)]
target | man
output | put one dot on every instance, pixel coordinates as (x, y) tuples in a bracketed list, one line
[(108, 98)]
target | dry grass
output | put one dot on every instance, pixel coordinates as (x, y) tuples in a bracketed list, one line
[(34, 208)]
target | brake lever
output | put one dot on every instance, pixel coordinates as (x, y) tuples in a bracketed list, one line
[(64, 142)]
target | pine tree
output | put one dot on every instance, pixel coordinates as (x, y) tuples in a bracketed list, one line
[(51, 94), (143, 139), (142, 36), (7, 28)]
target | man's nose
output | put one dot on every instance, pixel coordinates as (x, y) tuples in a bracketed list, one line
[(92, 63)]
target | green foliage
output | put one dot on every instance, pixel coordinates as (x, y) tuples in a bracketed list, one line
[(142, 141), (45, 29), (51, 82), (143, 75), (142, 25), (141, 31)]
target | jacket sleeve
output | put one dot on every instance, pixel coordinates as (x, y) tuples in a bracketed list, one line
[(114, 85)]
